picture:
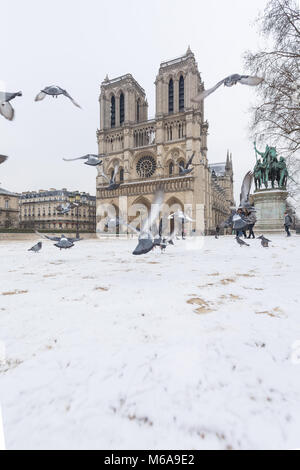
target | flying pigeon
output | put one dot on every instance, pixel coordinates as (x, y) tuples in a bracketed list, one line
[(229, 82), (54, 91), (264, 241), (91, 159), (36, 248), (6, 108), (241, 242), (66, 208), (181, 216), (3, 158), (185, 170), (146, 236), (112, 182), (235, 220), (62, 242), (114, 222), (245, 190)]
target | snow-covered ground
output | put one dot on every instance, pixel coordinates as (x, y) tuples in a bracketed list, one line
[(192, 349)]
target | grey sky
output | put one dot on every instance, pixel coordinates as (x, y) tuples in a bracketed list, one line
[(74, 44)]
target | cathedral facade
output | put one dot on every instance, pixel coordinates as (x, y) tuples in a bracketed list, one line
[(148, 153)]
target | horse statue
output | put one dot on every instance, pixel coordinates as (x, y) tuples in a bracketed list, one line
[(269, 169)]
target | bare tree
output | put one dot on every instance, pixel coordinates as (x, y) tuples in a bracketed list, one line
[(276, 117)]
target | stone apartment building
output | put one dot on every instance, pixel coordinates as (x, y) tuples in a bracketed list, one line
[(148, 152), (9, 209), (38, 211)]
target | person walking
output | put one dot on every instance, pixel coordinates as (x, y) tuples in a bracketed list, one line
[(287, 223), (251, 218), (240, 232)]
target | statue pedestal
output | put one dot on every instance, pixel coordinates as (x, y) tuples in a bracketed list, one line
[(270, 205)]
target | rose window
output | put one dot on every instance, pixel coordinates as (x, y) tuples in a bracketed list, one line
[(146, 166)]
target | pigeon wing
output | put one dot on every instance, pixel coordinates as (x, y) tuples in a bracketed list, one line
[(3, 158), (190, 161), (228, 222), (54, 239), (186, 217), (250, 81), (238, 222), (85, 157), (104, 176), (245, 190), (7, 110), (70, 97), (204, 94), (40, 96)]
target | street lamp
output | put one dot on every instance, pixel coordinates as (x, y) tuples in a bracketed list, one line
[(75, 199)]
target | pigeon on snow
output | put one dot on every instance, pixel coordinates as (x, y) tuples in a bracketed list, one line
[(241, 242), (6, 108), (264, 241), (36, 248), (54, 91), (229, 82)]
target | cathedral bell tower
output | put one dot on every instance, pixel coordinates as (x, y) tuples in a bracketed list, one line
[(177, 82), (122, 102)]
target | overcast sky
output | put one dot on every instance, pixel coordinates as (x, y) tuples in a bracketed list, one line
[(75, 43)]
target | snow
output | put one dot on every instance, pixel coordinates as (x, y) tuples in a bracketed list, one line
[(197, 348)]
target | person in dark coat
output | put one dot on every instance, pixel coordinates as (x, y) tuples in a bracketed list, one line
[(251, 218), (287, 223)]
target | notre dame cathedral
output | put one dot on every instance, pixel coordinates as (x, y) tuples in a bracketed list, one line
[(148, 152)]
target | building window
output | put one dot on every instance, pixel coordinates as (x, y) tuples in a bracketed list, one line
[(113, 111), (122, 109), (181, 93), (6, 204), (171, 96), (121, 175), (146, 166), (171, 168)]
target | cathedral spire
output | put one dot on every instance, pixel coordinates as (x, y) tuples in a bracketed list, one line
[(227, 167)]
